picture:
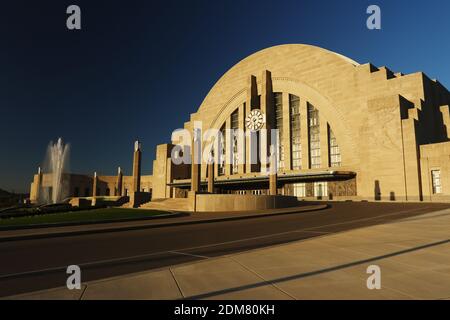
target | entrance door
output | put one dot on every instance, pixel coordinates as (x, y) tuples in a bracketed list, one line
[(299, 190), (320, 189)]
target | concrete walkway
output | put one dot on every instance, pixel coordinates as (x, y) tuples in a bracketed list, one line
[(413, 254)]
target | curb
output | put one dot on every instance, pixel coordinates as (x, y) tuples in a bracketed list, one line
[(82, 223), (151, 226)]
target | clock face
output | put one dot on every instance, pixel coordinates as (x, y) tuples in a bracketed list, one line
[(255, 120)]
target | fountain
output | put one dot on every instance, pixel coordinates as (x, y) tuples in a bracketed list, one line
[(56, 164)]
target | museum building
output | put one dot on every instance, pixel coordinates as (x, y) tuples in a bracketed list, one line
[(346, 131)]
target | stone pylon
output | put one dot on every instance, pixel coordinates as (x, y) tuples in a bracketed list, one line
[(35, 194), (273, 172), (137, 167), (196, 161), (211, 174), (94, 189), (119, 182), (39, 184)]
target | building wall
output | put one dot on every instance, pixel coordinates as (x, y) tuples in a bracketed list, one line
[(82, 185), (392, 129), (379, 118), (435, 157)]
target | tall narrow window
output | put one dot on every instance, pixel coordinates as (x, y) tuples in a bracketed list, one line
[(278, 97), (235, 126), (296, 147), (436, 181), (334, 152), (314, 137), (222, 148)]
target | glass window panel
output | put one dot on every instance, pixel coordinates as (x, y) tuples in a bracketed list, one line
[(436, 181), (296, 147)]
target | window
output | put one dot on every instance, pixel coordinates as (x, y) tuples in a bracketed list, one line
[(299, 189), (314, 137), (108, 192), (87, 192), (436, 181), (296, 147), (278, 101), (320, 189), (76, 192), (235, 126), (334, 152)]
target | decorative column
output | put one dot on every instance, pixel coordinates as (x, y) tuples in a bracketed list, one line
[(196, 161), (267, 108), (94, 189), (228, 147), (137, 167), (119, 182), (273, 172), (250, 137), (211, 175), (36, 187), (38, 184), (241, 139)]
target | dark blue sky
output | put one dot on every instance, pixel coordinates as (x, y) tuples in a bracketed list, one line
[(137, 69)]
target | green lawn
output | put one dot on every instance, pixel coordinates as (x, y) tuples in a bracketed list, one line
[(81, 216)]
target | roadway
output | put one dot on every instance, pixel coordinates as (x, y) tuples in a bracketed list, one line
[(30, 265)]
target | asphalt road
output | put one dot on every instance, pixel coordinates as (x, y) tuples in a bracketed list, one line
[(30, 265)]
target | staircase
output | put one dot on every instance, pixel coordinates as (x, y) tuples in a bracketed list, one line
[(175, 204)]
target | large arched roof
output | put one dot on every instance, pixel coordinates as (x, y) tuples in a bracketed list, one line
[(290, 57)]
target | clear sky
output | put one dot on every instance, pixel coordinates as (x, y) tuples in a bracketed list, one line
[(138, 69)]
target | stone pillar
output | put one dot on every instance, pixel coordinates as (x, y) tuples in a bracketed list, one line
[(273, 172), (36, 187), (268, 110), (211, 177), (137, 167), (94, 189), (38, 184), (228, 147), (273, 184), (250, 137), (196, 161), (241, 139), (119, 191)]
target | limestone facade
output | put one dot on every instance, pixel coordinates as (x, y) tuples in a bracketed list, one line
[(347, 130)]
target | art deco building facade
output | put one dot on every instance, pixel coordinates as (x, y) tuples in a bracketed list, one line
[(346, 130)]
